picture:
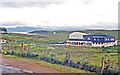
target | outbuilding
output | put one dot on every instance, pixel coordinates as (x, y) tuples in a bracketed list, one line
[(117, 42), (2, 41)]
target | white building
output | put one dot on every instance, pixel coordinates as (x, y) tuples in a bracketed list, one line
[(2, 41), (82, 39)]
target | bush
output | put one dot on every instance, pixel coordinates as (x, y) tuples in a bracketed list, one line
[(23, 55)]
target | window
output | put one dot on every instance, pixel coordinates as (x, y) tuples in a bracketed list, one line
[(98, 39), (105, 39), (94, 39), (88, 38), (112, 39)]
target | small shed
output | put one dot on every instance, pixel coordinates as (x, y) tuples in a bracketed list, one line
[(117, 42), (3, 41)]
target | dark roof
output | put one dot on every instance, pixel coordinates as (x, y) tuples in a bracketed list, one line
[(99, 36), (78, 40), (96, 38)]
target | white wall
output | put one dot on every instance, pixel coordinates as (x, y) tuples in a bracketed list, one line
[(96, 45), (104, 44), (76, 35)]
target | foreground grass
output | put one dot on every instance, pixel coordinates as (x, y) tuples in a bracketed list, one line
[(63, 69)]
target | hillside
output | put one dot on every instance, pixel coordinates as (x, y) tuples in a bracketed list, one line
[(39, 32)]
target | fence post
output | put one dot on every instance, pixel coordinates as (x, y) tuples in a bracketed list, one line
[(38, 54), (19, 48), (42, 53), (9, 46), (13, 49), (45, 53), (66, 55), (102, 67), (69, 58), (22, 45), (26, 51)]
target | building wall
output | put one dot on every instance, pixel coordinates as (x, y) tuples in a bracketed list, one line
[(76, 35), (80, 43), (89, 43), (107, 44)]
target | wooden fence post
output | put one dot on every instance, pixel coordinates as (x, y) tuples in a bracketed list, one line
[(102, 67), (12, 49), (39, 55), (19, 48), (26, 51), (69, 58), (9, 46), (42, 53), (45, 53), (66, 55), (22, 46)]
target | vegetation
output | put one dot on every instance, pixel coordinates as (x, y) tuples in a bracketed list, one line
[(38, 47), (3, 29)]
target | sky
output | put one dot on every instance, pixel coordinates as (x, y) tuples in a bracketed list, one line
[(55, 14)]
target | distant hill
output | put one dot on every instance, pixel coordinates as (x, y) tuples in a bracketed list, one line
[(61, 31), (23, 29), (45, 31), (40, 32)]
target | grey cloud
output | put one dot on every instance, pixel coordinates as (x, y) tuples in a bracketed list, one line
[(104, 25), (31, 4), (99, 25), (88, 1), (46, 22), (12, 23)]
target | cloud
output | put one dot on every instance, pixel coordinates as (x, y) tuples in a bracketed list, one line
[(76, 13), (87, 1), (12, 24), (29, 3)]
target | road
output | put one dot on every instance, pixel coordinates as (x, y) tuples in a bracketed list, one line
[(27, 66)]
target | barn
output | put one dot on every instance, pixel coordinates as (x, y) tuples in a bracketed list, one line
[(82, 39)]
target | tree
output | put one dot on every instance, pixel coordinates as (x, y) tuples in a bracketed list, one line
[(3, 29)]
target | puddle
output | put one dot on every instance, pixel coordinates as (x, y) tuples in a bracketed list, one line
[(10, 69)]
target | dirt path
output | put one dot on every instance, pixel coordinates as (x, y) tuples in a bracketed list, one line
[(27, 65)]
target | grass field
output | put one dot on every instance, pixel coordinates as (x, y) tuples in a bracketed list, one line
[(90, 55)]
